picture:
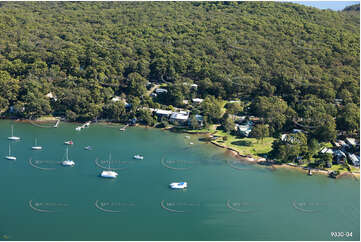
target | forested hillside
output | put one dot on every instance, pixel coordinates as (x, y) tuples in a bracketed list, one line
[(286, 61)]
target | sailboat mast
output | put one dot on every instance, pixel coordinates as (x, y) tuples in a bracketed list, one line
[(12, 130), (110, 157), (9, 150), (67, 158), (36, 143)]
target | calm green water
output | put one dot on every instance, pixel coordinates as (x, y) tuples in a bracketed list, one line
[(225, 200)]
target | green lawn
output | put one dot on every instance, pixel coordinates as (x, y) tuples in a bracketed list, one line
[(342, 168), (245, 146)]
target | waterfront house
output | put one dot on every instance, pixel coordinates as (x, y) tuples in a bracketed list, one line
[(180, 117), (339, 156), (289, 138), (326, 150), (197, 100), (163, 113), (354, 160), (199, 119), (132, 121), (244, 129)]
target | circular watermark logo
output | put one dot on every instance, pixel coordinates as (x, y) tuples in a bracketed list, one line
[(177, 164), (114, 164), (179, 207), (309, 207), (45, 165), (47, 207), (113, 206), (243, 206)]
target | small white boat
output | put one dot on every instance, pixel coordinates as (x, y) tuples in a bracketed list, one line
[(10, 157), (36, 147), (67, 162), (88, 148), (12, 137), (78, 128), (138, 157), (178, 185), (70, 142), (109, 174), (191, 143)]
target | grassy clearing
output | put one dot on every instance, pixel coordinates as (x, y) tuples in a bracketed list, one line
[(245, 146)]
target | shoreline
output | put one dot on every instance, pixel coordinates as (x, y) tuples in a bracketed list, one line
[(242, 158)]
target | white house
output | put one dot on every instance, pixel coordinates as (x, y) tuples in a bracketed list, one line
[(163, 113), (195, 86), (244, 129), (180, 117), (326, 150), (197, 100), (116, 99), (160, 91), (351, 141), (354, 159), (51, 96)]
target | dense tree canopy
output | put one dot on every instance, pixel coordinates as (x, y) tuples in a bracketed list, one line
[(290, 61)]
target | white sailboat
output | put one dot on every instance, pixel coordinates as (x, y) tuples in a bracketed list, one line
[(109, 173), (10, 157), (36, 147), (67, 162), (12, 137)]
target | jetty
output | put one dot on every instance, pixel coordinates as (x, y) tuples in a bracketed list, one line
[(57, 123), (86, 125), (123, 128)]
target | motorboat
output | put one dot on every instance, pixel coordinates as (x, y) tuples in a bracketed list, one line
[(138, 157), (36, 147), (109, 174), (69, 142), (67, 162), (10, 157), (88, 148), (178, 185), (12, 137), (78, 128)]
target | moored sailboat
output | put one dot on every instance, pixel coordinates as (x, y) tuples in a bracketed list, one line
[(68, 162), (10, 157), (12, 137), (109, 173), (36, 147)]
